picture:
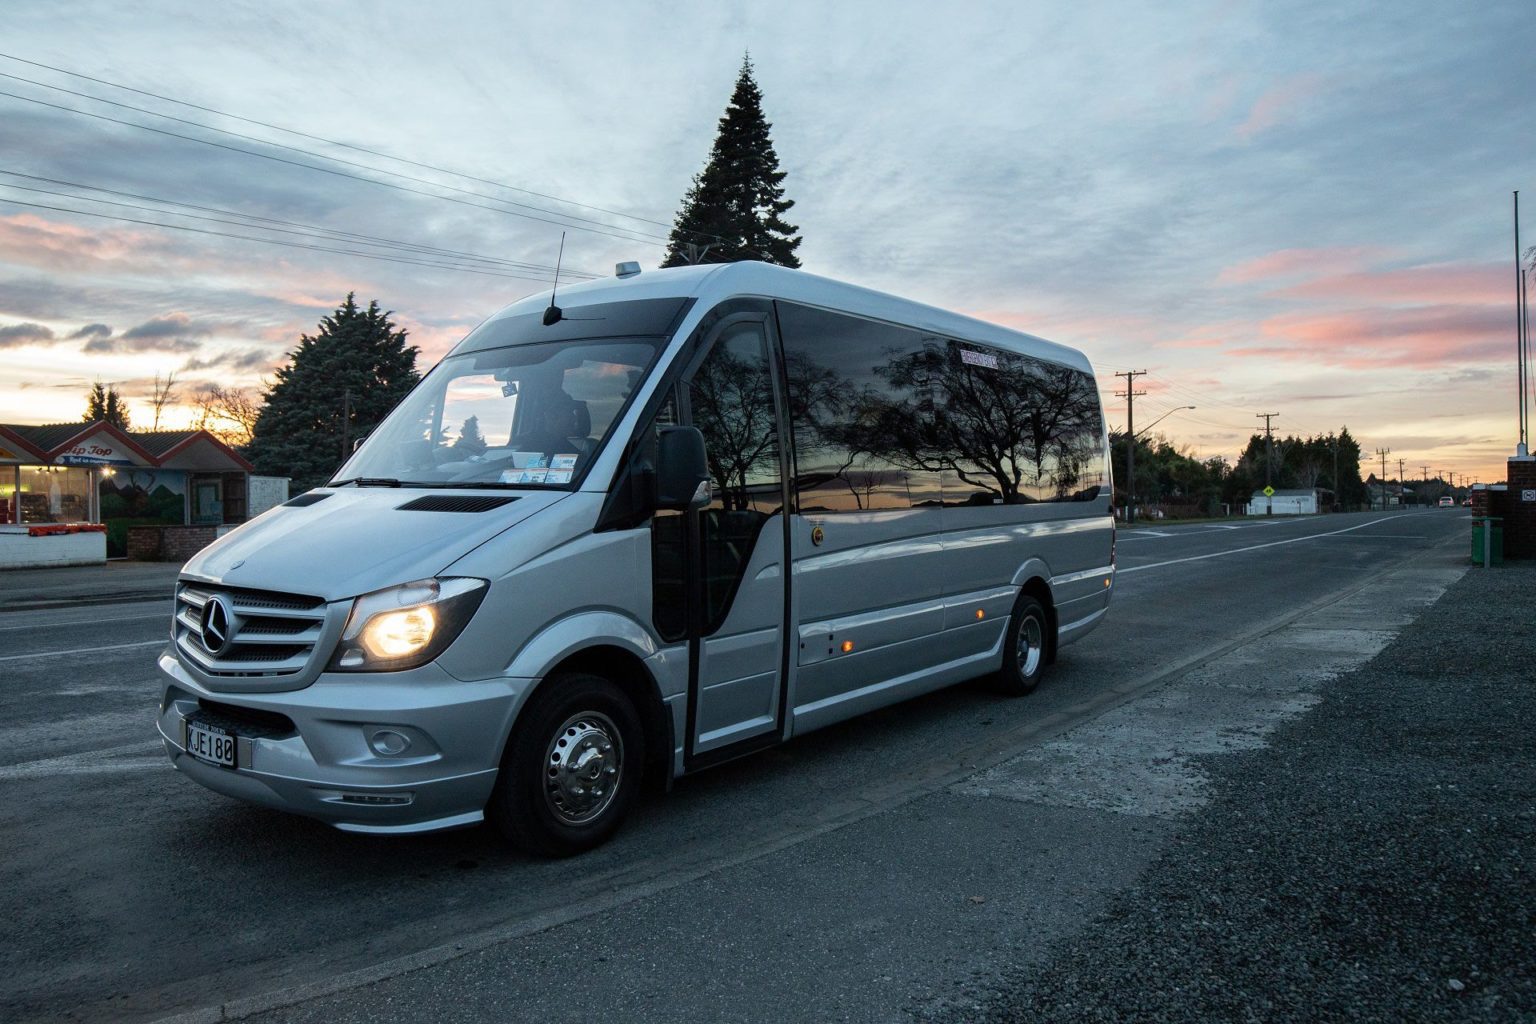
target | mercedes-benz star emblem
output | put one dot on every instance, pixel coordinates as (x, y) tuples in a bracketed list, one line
[(214, 626)]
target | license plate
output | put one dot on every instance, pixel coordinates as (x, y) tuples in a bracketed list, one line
[(210, 743)]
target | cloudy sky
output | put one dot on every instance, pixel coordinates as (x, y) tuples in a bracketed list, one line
[(1300, 208)]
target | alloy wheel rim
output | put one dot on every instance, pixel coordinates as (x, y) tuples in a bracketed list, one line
[(1031, 647)]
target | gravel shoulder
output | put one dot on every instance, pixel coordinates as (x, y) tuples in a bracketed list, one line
[(1374, 862)]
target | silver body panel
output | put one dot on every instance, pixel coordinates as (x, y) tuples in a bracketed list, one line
[(921, 597)]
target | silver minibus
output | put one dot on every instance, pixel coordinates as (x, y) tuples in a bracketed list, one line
[(685, 515)]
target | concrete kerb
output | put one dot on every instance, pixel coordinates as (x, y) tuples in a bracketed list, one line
[(783, 833), (74, 586)]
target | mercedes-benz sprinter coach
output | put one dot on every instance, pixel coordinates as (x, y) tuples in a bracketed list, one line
[(685, 515)]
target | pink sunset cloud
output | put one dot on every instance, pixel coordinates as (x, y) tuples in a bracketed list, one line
[(1438, 283), (1301, 263), (56, 245), (1425, 337), (1280, 104)]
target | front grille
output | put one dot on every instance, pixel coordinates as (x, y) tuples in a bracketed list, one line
[(251, 722), (264, 633)]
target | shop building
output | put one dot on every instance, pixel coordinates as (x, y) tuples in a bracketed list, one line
[(97, 473)]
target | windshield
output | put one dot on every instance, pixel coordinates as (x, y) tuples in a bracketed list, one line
[(523, 416)]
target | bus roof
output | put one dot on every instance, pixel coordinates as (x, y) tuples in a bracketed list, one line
[(714, 283)]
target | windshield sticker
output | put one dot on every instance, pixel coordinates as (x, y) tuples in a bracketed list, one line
[(562, 462), (538, 462), (534, 476), (511, 476), (558, 476)]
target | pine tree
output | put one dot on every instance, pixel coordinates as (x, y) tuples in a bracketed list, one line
[(358, 361), (104, 403), (471, 441), (735, 209)]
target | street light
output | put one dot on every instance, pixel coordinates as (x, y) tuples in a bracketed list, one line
[(1130, 463), (1160, 419)]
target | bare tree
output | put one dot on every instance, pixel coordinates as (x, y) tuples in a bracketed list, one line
[(227, 413), (165, 394)]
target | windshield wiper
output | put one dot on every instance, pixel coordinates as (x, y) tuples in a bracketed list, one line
[(470, 485), (368, 481)]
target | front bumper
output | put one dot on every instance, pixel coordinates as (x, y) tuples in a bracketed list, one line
[(307, 751)]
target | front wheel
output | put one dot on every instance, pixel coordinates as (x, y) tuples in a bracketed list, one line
[(1024, 647), (572, 767)]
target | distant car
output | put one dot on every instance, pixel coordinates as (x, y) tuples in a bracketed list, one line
[(1447, 502), (1466, 502)]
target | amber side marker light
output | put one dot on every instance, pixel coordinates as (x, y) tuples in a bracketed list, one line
[(980, 614), (847, 646)]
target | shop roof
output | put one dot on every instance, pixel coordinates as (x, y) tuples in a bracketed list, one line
[(170, 449)]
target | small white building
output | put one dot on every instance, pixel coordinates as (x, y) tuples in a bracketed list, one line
[(1291, 502)]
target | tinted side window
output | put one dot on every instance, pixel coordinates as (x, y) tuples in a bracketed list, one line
[(1012, 429), (847, 409), (669, 555), (731, 401)]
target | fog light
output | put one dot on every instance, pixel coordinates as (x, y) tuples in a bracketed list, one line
[(377, 799), (388, 743)]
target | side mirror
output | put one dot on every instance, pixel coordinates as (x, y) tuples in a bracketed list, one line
[(357, 442), (682, 471)]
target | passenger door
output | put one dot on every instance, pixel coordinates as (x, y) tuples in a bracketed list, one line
[(732, 552)]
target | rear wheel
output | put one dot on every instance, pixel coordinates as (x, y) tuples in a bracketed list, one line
[(1024, 647), (572, 767)]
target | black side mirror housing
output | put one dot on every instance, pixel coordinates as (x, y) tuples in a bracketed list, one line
[(682, 470)]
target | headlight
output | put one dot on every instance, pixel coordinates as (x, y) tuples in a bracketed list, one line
[(406, 626)]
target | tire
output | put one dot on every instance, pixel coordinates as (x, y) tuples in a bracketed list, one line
[(572, 767), (1026, 643)]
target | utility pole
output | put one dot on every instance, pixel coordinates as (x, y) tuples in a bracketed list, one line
[(1522, 370), (1269, 458), (1400, 491), (1130, 394), (1382, 453)]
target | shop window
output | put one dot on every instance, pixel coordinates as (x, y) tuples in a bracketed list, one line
[(54, 494), (8, 494)]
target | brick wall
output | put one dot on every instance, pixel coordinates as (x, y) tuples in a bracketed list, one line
[(168, 543), (1519, 516)]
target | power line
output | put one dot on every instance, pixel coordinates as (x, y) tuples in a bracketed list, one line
[(342, 145), (313, 231), (643, 240), (274, 241), (304, 152), (1205, 396)]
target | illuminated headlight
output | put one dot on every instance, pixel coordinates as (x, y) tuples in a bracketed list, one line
[(406, 626)]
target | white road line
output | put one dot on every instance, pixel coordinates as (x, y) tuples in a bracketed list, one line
[(1256, 547), (163, 641), (95, 621), (90, 762)]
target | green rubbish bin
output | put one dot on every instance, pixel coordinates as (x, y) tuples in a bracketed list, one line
[(1479, 524)]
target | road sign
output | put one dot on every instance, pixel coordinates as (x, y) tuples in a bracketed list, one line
[(1269, 492)]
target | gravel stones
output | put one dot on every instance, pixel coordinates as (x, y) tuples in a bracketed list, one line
[(1377, 862)]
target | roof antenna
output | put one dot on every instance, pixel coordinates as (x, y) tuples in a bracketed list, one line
[(552, 314)]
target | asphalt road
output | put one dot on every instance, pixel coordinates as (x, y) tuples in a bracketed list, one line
[(862, 872)]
